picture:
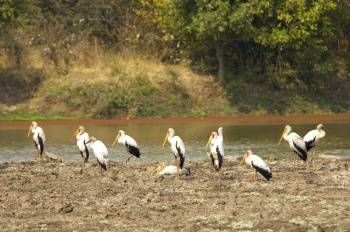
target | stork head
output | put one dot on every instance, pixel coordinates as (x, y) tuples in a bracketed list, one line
[(211, 137), (321, 127), (246, 155), (120, 133), (170, 133), (286, 131), (33, 125), (221, 131), (80, 130), (91, 139)]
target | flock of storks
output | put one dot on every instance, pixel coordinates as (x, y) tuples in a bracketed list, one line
[(87, 144)]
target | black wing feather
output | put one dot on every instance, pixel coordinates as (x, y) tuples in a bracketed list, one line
[(310, 144), (133, 150), (300, 152), (41, 143), (212, 160), (181, 156), (86, 152), (220, 158), (265, 173), (104, 166)]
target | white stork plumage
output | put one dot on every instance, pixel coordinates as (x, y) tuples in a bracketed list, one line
[(257, 163), (39, 138), (312, 137), (100, 152), (129, 143), (216, 141), (295, 142), (172, 170), (82, 138), (177, 147)]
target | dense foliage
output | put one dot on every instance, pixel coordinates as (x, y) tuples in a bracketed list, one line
[(280, 46)]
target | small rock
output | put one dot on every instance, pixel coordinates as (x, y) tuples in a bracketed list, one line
[(221, 203), (67, 208)]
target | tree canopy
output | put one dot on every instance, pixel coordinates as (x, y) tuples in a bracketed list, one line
[(280, 40)]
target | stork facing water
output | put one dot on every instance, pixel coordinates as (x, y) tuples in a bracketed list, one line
[(39, 138)]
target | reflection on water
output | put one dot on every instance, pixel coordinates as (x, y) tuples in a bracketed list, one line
[(262, 138)]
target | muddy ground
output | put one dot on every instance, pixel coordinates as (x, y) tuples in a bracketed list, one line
[(61, 197)]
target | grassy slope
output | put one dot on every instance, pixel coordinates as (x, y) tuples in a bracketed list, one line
[(130, 86), (122, 86)]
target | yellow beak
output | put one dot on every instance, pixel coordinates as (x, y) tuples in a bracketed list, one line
[(284, 131), (209, 141), (75, 134), (166, 138), (116, 140), (30, 129), (242, 161)]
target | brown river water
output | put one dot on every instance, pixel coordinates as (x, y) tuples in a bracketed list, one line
[(260, 133)]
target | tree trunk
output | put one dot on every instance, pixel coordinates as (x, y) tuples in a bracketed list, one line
[(221, 62)]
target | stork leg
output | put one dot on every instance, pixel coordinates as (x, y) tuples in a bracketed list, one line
[(177, 168), (314, 154), (294, 159), (255, 176), (312, 157), (127, 160), (219, 178)]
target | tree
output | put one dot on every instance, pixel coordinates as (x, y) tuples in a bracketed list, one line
[(213, 24), (11, 12)]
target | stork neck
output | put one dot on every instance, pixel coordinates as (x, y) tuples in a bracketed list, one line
[(322, 133)]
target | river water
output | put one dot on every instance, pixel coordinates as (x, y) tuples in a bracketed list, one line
[(261, 134)]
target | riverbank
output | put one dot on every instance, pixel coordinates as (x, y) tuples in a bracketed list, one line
[(63, 197), (129, 86), (239, 119)]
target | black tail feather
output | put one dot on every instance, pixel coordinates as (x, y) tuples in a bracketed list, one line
[(310, 144), (41, 143), (300, 152), (182, 161), (86, 152), (212, 160), (220, 158), (104, 166), (264, 172), (133, 150), (181, 156)]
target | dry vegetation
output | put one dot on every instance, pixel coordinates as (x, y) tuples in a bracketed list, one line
[(123, 84)]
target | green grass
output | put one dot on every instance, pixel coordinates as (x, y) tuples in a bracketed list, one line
[(20, 116)]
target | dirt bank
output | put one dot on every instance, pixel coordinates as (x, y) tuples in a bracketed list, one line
[(60, 197)]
